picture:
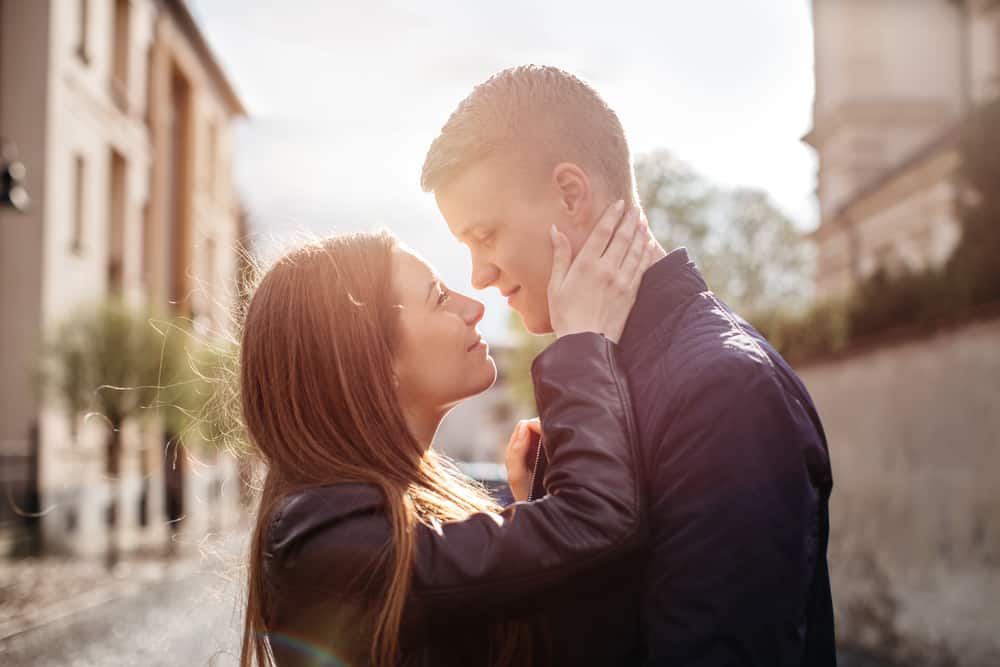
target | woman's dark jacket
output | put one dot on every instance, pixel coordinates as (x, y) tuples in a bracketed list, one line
[(325, 557)]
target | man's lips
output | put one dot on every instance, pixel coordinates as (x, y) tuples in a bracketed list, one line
[(479, 341), (510, 293)]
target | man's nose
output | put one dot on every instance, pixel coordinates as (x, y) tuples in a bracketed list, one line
[(483, 275)]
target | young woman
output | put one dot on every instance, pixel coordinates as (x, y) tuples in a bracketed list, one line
[(369, 548)]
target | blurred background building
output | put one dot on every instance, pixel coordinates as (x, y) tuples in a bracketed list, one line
[(122, 117), (907, 130), (895, 81)]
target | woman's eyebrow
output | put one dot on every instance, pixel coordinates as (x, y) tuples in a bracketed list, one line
[(430, 288)]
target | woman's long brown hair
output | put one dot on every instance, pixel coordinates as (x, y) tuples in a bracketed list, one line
[(319, 404)]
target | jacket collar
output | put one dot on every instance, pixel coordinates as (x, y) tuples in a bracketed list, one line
[(665, 286)]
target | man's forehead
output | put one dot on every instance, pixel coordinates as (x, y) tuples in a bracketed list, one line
[(464, 215)]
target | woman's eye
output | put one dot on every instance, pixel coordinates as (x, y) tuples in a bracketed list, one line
[(443, 296), (486, 239)]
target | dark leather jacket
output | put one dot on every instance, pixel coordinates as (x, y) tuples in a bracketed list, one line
[(325, 556)]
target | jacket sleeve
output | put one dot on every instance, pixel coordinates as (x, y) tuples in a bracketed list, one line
[(490, 563)]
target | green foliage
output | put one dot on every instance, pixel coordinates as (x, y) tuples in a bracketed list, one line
[(823, 328), (677, 201), (203, 405), (104, 358), (122, 363), (749, 252), (518, 369)]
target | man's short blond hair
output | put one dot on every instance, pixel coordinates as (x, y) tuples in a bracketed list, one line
[(537, 117)]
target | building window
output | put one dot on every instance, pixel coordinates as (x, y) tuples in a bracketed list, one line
[(116, 228), (70, 520), (79, 201), (210, 268), (213, 158), (996, 50), (120, 54), (145, 271), (83, 31)]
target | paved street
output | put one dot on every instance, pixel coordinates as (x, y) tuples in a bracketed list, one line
[(190, 622), (190, 617)]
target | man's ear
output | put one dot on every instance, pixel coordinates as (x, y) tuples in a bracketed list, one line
[(574, 192)]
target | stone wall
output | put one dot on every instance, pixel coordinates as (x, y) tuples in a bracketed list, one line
[(914, 433)]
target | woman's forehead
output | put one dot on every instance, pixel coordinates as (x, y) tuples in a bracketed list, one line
[(411, 262), (412, 274)]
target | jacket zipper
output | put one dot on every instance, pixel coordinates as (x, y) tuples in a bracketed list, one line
[(534, 471)]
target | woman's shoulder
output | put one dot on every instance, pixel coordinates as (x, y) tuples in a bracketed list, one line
[(330, 502), (326, 536)]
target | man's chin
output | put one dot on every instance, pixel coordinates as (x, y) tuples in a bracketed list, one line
[(538, 326)]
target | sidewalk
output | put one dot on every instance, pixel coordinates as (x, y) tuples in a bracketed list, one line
[(38, 591)]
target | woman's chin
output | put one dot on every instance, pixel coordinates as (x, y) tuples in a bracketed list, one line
[(489, 374), (475, 382), (486, 377)]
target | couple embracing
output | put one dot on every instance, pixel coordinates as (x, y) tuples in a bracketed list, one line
[(681, 515)]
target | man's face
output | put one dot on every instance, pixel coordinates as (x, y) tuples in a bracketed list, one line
[(504, 222)]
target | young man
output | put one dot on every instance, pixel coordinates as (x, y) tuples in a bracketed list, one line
[(737, 471)]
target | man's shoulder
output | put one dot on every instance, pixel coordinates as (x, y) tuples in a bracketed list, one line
[(707, 344)]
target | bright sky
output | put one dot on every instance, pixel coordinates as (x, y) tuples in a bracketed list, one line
[(345, 98)]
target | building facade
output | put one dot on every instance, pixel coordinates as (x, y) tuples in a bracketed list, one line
[(123, 119), (894, 81)]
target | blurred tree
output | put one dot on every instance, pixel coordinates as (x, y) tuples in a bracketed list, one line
[(750, 253), (526, 347), (677, 201), (104, 358), (123, 364)]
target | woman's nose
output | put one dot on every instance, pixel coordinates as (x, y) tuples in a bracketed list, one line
[(472, 311)]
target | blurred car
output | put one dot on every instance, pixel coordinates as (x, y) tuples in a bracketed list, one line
[(491, 475)]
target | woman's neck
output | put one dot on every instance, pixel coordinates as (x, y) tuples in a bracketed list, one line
[(424, 422)]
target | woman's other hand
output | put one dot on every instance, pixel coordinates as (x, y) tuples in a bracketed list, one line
[(517, 455), (596, 290)]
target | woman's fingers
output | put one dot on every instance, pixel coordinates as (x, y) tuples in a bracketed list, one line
[(598, 240), (561, 258), (638, 251), (595, 291), (518, 442), (516, 460), (622, 241)]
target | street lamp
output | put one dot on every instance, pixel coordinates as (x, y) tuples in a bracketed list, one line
[(13, 194)]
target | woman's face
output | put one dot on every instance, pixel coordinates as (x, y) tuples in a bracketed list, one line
[(440, 357)]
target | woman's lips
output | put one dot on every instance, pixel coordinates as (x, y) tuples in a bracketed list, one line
[(477, 344), (510, 296)]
